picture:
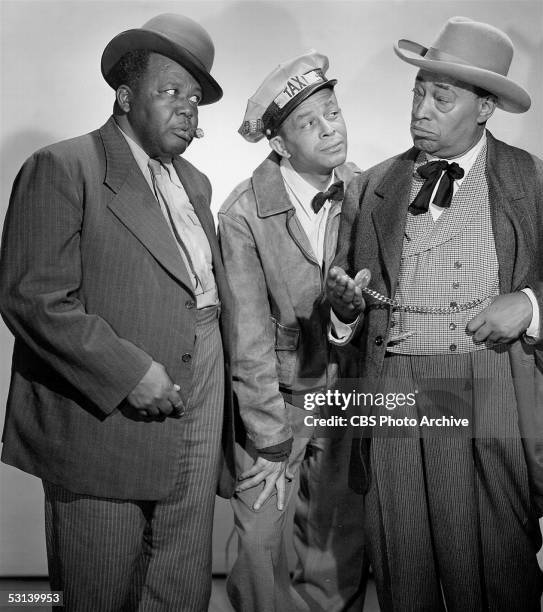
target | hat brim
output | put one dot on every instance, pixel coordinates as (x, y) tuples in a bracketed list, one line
[(511, 97), (154, 41)]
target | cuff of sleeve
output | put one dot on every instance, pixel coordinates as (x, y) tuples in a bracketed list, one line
[(340, 333), (533, 329), (277, 452)]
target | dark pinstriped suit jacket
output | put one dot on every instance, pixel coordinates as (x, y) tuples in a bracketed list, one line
[(371, 236), (93, 288)]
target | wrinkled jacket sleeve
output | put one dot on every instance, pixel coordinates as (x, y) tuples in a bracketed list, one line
[(261, 404)]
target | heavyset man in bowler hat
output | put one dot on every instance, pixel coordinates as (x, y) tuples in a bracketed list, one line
[(447, 237), (278, 233), (112, 284)]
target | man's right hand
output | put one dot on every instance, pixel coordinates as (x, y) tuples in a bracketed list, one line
[(345, 294), (155, 394), (272, 474)]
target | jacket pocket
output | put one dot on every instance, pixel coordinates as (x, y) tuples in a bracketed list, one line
[(286, 344)]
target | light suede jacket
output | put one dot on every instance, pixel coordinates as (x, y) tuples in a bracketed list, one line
[(279, 320)]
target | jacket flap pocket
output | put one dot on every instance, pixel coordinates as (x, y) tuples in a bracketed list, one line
[(286, 338)]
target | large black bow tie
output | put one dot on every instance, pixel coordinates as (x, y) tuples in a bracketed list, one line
[(431, 172), (334, 192)]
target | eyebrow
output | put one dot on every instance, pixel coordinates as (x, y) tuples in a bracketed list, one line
[(176, 82), (303, 115), (446, 86)]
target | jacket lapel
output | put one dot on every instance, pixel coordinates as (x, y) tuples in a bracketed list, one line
[(135, 205), (389, 216), (272, 199)]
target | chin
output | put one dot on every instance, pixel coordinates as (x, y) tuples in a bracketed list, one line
[(428, 146), (176, 146), (335, 160)]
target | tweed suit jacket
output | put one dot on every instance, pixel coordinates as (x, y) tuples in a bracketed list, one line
[(93, 288), (371, 236)]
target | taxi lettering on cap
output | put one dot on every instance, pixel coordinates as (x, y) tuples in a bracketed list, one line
[(298, 83), (287, 86)]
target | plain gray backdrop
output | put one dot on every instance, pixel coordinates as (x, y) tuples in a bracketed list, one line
[(51, 89)]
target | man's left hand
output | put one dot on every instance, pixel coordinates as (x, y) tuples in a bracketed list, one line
[(504, 320)]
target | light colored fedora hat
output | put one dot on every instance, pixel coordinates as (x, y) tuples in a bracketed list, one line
[(175, 36), (473, 52)]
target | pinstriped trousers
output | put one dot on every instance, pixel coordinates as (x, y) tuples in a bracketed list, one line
[(111, 555), (449, 521)]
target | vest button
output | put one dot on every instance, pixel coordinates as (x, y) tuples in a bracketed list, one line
[(189, 304), (186, 358), (393, 324), (379, 340), (454, 304), (453, 347), (457, 264), (452, 326), (456, 285)]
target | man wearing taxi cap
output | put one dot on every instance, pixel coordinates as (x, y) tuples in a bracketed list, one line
[(448, 238), (111, 279), (278, 234)]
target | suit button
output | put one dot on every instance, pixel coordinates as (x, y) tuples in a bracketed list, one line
[(379, 340), (189, 304), (456, 285), (452, 326), (453, 347), (454, 304), (186, 358), (457, 264)]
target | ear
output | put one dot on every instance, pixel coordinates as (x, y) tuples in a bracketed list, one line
[(278, 145), (487, 106), (123, 96)]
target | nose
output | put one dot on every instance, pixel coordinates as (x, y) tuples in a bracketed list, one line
[(327, 129), (184, 107), (420, 107)]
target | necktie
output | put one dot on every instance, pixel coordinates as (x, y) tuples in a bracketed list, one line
[(334, 192), (160, 193), (431, 173)]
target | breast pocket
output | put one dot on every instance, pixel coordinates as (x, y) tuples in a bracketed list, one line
[(286, 345)]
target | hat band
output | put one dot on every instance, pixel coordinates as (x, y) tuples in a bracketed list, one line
[(441, 56), (285, 101), (296, 84)]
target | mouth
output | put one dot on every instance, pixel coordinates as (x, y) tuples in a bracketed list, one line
[(415, 129), (333, 148), (185, 133)]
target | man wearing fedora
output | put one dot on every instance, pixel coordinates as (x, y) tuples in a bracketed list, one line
[(111, 278), (278, 233), (446, 237)]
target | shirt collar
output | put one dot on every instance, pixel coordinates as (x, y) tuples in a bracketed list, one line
[(302, 190), (142, 159)]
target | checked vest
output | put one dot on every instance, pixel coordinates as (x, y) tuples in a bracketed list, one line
[(446, 262)]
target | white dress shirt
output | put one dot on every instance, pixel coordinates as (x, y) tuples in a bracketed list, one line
[(187, 224), (301, 193)]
